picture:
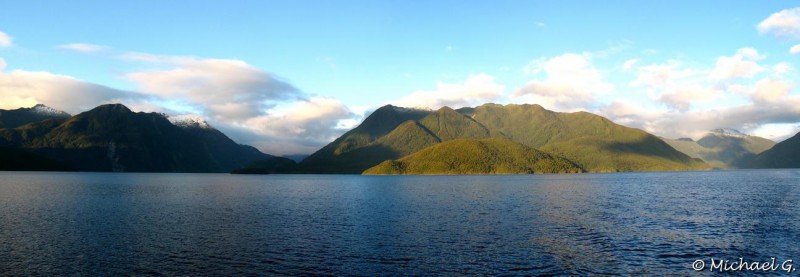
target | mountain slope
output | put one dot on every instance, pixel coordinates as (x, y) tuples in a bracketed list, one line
[(723, 148), (358, 149), (447, 124), (113, 138), (22, 116), (591, 141), (469, 156), (785, 154)]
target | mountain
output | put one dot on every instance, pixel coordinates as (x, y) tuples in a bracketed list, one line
[(785, 154), (113, 138), (723, 148), (22, 116), (359, 148), (592, 142), (470, 156)]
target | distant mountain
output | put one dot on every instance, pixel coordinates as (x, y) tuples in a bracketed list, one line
[(22, 116), (785, 154), (113, 138), (592, 142), (723, 148), (296, 157), (471, 156)]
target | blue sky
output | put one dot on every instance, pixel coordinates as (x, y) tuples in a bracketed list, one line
[(288, 76)]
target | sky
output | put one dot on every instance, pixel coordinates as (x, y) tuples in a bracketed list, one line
[(290, 76)]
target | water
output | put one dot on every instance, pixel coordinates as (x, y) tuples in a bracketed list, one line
[(218, 224)]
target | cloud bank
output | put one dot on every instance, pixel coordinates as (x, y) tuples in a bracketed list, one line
[(475, 90)]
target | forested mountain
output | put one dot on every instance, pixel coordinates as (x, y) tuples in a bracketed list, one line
[(113, 138), (588, 140), (785, 154), (471, 156)]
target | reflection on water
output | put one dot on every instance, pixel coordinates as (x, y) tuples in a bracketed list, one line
[(112, 224)]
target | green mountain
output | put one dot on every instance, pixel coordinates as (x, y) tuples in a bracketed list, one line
[(470, 156), (360, 148), (785, 154), (723, 148), (592, 142), (22, 116), (113, 138)]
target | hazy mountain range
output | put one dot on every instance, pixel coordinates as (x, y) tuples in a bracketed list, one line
[(488, 139), (723, 148)]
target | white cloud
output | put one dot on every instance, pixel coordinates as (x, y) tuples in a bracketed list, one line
[(795, 50), (782, 68), (84, 47), (5, 40), (676, 86), (299, 127), (770, 91), (785, 23), (777, 132), (659, 75), (20, 88), (566, 82), (682, 97), (227, 90), (2, 64), (629, 64), (477, 89), (740, 65)]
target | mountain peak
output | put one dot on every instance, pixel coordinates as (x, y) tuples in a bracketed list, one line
[(113, 108), (728, 132), (445, 109), (189, 121), (45, 110), (412, 109)]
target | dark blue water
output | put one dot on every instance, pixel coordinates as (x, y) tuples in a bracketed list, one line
[(209, 224)]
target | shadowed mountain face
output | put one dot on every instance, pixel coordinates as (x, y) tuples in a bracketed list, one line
[(785, 154), (590, 141), (22, 116), (113, 138), (723, 148)]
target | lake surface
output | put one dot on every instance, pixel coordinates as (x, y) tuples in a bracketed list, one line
[(219, 224)]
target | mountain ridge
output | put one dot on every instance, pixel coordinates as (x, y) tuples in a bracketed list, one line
[(111, 137), (22, 116), (723, 148), (785, 154), (577, 136)]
